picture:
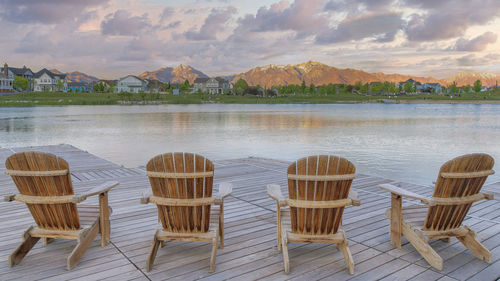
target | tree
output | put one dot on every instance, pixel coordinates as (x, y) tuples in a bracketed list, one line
[(186, 83), (59, 85), (21, 83), (312, 89), (99, 87), (477, 86), (240, 86), (303, 87), (408, 87), (453, 88)]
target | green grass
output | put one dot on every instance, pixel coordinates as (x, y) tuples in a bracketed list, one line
[(50, 98)]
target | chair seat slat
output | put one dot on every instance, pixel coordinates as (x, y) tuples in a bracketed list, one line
[(319, 204), (52, 173), (180, 175), (181, 202), (321, 178), (30, 199), (465, 175)]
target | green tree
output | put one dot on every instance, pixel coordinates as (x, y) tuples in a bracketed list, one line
[(59, 85), (186, 83), (477, 86), (408, 87), (21, 83), (240, 86), (303, 87), (466, 88), (99, 87), (312, 89), (453, 88)]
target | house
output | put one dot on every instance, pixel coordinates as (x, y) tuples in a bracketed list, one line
[(431, 87), (131, 84), (6, 80), (215, 85), (418, 85), (24, 72), (47, 81), (77, 87)]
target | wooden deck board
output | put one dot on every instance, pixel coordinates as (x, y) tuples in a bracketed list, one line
[(250, 248)]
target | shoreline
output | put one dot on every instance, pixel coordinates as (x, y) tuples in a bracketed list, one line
[(140, 103), (64, 99)]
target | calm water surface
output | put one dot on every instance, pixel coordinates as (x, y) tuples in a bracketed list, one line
[(407, 142)]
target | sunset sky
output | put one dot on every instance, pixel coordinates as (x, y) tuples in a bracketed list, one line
[(112, 38)]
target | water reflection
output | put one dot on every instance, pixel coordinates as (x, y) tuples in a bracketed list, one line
[(406, 142)]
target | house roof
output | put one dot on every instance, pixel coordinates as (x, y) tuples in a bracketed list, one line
[(433, 84), (136, 77), (201, 80), (20, 71), (49, 73)]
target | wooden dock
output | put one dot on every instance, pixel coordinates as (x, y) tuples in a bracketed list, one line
[(250, 247)]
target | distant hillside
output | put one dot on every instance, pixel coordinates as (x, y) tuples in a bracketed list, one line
[(468, 78), (178, 74), (55, 71), (318, 74), (77, 76), (311, 72)]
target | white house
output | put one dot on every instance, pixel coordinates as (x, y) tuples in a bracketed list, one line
[(131, 84), (47, 81), (215, 85), (6, 80)]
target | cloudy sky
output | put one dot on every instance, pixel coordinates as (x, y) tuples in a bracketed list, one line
[(111, 38)]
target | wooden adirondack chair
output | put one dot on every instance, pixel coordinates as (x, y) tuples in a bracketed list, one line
[(319, 189), (44, 184), (182, 190), (458, 185)]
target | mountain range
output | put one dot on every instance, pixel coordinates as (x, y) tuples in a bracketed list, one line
[(311, 72)]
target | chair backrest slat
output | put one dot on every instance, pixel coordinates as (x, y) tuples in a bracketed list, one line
[(45, 175), (458, 178), (318, 178), (182, 176)]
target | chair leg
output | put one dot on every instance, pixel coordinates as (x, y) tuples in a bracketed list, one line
[(421, 244), (278, 226), (344, 247), (221, 226), (284, 249), (470, 241), (47, 240), (104, 218), (214, 253), (396, 220), (84, 242), (152, 253), (26, 245)]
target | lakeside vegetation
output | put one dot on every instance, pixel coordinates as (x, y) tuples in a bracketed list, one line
[(59, 98)]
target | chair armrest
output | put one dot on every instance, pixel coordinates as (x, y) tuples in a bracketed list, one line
[(103, 188), (353, 195), (146, 194), (9, 198), (274, 191), (488, 196), (405, 193), (225, 189)]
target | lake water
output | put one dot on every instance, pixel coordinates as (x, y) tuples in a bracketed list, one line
[(407, 142)]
